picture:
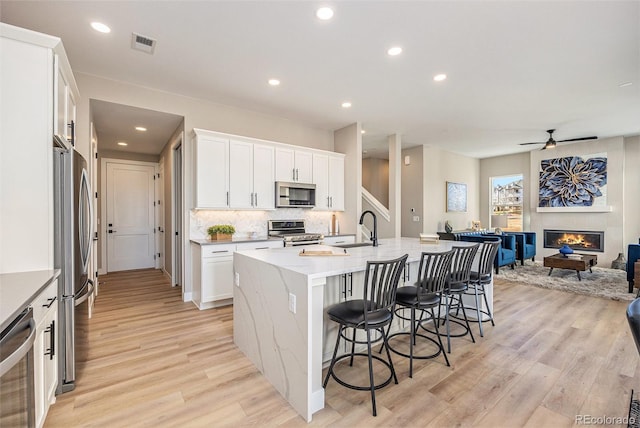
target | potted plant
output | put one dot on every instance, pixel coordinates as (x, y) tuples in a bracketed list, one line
[(221, 232)]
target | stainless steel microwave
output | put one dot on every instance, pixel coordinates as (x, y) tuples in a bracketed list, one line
[(295, 195)]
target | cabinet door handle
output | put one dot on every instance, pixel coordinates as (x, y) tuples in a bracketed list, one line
[(328, 202), (50, 301), (331, 201), (51, 351), (256, 199), (72, 128), (227, 198), (293, 174)]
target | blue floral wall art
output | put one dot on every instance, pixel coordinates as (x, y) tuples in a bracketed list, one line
[(575, 181)]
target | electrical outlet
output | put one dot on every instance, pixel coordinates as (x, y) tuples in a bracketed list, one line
[(237, 279), (292, 303), (416, 218)]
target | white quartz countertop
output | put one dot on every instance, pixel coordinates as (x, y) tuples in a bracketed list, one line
[(356, 260), (235, 240), (17, 291)]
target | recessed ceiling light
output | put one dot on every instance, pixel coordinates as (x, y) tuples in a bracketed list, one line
[(362, 131), (396, 50), (99, 26), (274, 82), (141, 128), (324, 13), (346, 104), (122, 143), (439, 77), (622, 85)]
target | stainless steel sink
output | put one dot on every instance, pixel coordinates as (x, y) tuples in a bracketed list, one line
[(354, 245)]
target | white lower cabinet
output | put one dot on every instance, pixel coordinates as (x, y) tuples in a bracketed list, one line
[(45, 314), (212, 270), (338, 240)]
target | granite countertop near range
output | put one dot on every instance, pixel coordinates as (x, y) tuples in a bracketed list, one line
[(236, 240), (18, 289)]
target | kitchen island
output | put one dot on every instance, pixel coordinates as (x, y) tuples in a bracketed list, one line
[(279, 303)]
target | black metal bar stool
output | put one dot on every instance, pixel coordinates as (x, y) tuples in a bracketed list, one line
[(457, 284), (483, 276), (373, 312), (433, 272)]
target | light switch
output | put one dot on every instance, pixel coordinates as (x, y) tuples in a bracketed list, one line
[(416, 218), (236, 279)]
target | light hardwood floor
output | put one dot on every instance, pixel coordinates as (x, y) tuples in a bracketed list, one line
[(156, 361)]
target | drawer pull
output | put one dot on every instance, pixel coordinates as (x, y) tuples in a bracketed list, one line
[(219, 251), (50, 301), (262, 248)]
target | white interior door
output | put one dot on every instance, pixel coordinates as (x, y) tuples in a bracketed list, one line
[(130, 216)]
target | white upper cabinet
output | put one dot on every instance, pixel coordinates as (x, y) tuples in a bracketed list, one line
[(336, 183), (33, 65), (251, 175), (264, 176), (212, 171), (65, 123), (328, 176), (233, 173), (240, 174), (294, 165)]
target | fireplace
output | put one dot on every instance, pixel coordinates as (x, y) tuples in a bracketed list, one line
[(580, 240)]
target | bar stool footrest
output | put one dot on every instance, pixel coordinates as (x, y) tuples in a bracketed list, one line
[(425, 357), (367, 387)]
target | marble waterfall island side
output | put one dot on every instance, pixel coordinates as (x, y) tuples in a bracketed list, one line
[(279, 300)]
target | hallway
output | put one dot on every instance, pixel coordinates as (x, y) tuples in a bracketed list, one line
[(157, 361)]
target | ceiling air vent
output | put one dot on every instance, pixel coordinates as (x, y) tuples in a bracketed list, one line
[(142, 43)]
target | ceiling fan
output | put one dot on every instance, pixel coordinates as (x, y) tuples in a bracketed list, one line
[(551, 143)]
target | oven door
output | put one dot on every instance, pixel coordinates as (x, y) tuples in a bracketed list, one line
[(17, 402)]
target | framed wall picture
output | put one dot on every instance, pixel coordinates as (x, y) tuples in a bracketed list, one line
[(456, 197), (573, 183)]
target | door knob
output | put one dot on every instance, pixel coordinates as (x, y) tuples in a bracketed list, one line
[(112, 231)]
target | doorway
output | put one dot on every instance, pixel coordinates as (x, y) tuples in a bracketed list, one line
[(129, 213), (177, 204)]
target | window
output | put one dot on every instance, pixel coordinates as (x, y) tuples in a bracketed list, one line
[(506, 203)]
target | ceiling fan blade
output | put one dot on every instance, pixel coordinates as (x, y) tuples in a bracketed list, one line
[(540, 142), (578, 139)]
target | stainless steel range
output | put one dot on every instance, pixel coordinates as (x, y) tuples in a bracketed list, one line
[(293, 232)]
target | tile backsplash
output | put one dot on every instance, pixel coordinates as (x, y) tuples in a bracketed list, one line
[(247, 222)]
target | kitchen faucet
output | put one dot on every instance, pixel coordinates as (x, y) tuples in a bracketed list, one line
[(374, 234)]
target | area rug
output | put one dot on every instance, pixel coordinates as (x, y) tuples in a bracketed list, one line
[(603, 282)]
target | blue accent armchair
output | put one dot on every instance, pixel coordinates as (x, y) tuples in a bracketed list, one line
[(526, 245), (506, 255), (633, 255)]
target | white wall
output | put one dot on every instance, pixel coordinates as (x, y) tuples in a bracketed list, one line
[(412, 193), (440, 166), (609, 222), (375, 178), (631, 212), (348, 140)]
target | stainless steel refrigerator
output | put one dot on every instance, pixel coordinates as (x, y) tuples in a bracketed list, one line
[(73, 235)]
